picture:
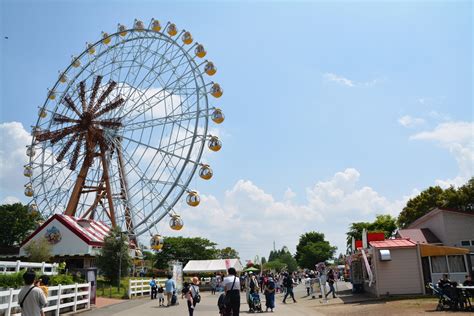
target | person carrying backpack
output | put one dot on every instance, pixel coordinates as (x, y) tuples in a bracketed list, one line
[(288, 284), (31, 298), (269, 291)]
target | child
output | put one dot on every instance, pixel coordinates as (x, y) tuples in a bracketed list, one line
[(42, 283), (161, 295), (221, 304)]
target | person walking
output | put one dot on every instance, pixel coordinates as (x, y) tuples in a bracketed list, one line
[(170, 288), (331, 280), (31, 298), (269, 291), (232, 293), (288, 284), (194, 287), (161, 295), (154, 288), (186, 292), (214, 284), (307, 284)]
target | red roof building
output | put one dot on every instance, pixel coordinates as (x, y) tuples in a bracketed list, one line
[(74, 240)]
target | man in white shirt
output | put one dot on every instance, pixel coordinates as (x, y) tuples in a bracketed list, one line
[(232, 293), (31, 298)]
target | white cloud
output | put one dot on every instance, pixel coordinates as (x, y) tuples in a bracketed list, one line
[(250, 219), (332, 77), (458, 138), (10, 200), (13, 141), (409, 121), (338, 79)]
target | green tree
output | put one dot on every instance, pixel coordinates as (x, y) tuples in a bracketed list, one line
[(17, 223), (227, 253), (38, 250), (355, 231), (461, 198), (313, 248), (263, 260), (290, 262), (184, 249), (275, 265), (383, 223), (420, 205), (114, 255)]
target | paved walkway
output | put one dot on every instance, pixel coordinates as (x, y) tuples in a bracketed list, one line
[(208, 306)]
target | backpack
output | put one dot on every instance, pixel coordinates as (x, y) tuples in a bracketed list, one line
[(197, 296), (271, 285)]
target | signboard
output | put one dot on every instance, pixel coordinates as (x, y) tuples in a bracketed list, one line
[(177, 268)]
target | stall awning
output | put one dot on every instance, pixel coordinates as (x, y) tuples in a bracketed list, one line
[(432, 250), (203, 266)]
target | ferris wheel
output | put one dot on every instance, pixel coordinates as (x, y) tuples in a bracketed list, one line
[(122, 131)]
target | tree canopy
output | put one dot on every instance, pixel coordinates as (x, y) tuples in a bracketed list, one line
[(461, 198), (227, 253), (184, 249), (114, 253), (17, 223), (382, 223), (281, 259), (312, 248), (39, 250)]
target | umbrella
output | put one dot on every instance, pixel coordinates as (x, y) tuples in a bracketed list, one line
[(251, 269)]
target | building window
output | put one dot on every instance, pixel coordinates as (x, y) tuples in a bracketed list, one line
[(456, 264), (439, 264), (465, 243)]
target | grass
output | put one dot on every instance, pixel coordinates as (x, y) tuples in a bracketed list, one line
[(106, 289)]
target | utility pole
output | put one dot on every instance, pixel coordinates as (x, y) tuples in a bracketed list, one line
[(274, 246)]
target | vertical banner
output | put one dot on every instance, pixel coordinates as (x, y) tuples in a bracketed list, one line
[(178, 275), (227, 264)]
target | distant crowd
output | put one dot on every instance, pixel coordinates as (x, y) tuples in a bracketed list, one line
[(252, 284)]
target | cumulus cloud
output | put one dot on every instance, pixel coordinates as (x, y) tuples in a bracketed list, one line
[(249, 219), (458, 138), (14, 139), (409, 121)]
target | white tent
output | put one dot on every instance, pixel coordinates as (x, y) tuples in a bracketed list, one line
[(220, 265)]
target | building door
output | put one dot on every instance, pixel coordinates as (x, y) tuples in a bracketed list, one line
[(425, 265)]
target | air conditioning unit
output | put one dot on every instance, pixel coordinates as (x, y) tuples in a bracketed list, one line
[(385, 255)]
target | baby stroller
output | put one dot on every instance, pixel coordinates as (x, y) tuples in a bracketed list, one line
[(255, 303), (448, 298)]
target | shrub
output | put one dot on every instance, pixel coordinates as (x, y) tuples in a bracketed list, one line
[(14, 280), (63, 279)]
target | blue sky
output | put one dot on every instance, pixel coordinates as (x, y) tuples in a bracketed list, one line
[(313, 92)]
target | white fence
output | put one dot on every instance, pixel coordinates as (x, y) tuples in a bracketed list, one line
[(141, 287), (61, 299), (8, 267)]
